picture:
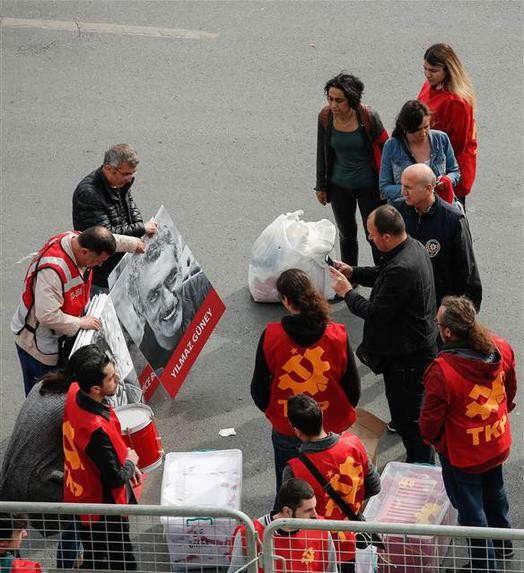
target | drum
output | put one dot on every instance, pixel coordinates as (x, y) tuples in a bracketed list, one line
[(140, 434)]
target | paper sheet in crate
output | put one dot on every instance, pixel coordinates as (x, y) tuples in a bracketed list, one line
[(208, 478), (412, 493)]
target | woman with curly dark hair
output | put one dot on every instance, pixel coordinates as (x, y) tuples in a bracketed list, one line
[(304, 353), (350, 138)]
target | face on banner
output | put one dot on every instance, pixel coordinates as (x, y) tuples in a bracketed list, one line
[(160, 292)]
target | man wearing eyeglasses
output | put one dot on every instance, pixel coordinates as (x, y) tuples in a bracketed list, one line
[(104, 198)]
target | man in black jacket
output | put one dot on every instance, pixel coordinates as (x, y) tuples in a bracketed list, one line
[(399, 338), (104, 198), (443, 229)]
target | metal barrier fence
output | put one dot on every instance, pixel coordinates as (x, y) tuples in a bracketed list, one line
[(160, 538), (192, 539), (406, 548)]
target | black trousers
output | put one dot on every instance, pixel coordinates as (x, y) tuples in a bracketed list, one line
[(344, 204), (405, 393), (107, 544)]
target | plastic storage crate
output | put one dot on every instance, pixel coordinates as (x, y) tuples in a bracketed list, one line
[(206, 478), (412, 493)]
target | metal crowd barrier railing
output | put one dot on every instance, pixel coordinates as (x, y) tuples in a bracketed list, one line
[(190, 539), (407, 548), (179, 539)]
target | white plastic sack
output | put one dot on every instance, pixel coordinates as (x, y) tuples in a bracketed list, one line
[(289, 243), (366, 560)]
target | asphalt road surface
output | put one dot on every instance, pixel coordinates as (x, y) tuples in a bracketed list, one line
[(220, 99)]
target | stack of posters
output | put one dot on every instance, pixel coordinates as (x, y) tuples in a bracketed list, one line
[(110, 338)]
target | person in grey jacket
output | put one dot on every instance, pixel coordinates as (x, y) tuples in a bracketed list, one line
[(104, 198), (33, 462), (399, 338)]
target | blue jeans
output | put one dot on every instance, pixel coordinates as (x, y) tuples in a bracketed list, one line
[(32, 370), (481, 501), (284, 448), (69, 548)]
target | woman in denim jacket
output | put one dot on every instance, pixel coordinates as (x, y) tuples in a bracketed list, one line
[(412, 141)]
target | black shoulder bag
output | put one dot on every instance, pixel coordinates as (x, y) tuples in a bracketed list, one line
[(362, 543)]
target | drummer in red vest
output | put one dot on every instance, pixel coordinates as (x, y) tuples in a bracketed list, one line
[(337, 468), (98, 466), (304, 353), (12, 531)]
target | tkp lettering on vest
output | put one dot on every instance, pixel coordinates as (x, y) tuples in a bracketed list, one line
[(323, 406), (312, 379), (493, 397), (72, 459), (348, 491), (490, 431)]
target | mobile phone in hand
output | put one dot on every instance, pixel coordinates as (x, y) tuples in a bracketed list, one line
[(329, 261)]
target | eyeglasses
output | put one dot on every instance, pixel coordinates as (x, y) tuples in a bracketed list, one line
[(438, 323), (124, 173)]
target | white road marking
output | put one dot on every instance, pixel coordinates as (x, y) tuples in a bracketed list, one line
[(103, 28)]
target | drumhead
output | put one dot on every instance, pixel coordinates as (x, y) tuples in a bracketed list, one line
[(134, 417)]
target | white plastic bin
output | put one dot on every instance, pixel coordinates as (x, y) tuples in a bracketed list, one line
[(206, 478)]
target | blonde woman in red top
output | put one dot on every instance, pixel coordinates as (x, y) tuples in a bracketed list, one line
[(449, 94)]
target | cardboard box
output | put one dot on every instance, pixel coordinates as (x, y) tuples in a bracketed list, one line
[(369, 429), (206, 478)]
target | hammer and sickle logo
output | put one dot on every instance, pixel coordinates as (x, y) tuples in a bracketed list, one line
[(312, 379), (351, 472), (308, 556), (492, 398), (72, 459)]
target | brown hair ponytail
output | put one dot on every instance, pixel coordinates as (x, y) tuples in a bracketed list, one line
[(300, 292), (460, 317)]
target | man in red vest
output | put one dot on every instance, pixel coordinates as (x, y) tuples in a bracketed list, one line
[(56, 292), (98, 466), (12, 531), (470, 388), (302, 550), (341, 461)]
